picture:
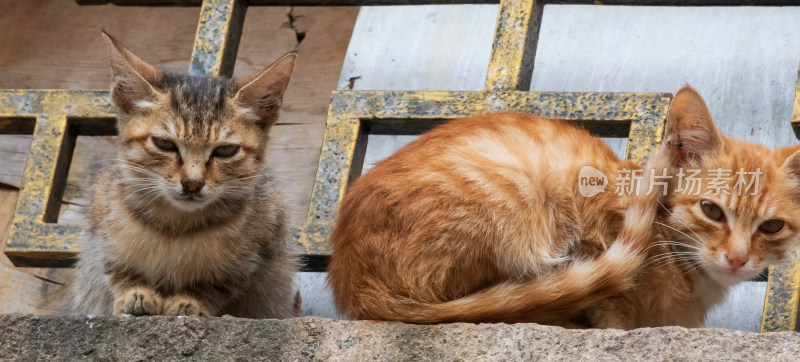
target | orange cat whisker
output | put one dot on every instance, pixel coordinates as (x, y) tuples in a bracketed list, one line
[(679, 220), (671, 242), (683, 233)]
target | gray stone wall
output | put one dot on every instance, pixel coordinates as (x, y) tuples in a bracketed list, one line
[(71, 338)]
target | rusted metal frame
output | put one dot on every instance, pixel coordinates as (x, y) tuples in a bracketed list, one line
[(56, 117), (447, 2), (514, 46), (782, 297), (60, 116), (795, 121), (354, 114), (782, 300), (217, 39)]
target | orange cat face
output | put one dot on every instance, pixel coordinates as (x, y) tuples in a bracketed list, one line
[(193, 141), (742, 211)]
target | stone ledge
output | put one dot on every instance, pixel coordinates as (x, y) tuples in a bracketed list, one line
[(27, 337)]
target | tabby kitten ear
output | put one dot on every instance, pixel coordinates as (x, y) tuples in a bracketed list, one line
[(262, 92), (132, 79), (691, 136)]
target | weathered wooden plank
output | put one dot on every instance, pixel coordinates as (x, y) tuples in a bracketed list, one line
[(56, 44), (26, 290), (22, 292), (447, 2), (284, 2), (8, 201), (13, 153), (91, 155)]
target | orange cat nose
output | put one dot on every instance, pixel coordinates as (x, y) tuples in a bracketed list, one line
[(736, 261), (192, 185)]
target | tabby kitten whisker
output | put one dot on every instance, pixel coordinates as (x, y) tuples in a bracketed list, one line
[(136, 167), (241, 178)]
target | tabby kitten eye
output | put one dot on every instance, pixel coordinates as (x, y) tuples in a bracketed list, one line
[(225, 151), (163, 144), (711, 210), (771, 226)]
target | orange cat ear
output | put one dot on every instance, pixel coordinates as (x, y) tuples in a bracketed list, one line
[(791, 165), (132, 79), (262, 92), (691, 136)]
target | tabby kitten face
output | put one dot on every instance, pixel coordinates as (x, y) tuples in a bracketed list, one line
[(733, 235), (192, 141)]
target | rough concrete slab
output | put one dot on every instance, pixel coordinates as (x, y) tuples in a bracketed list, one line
[(27, 337)]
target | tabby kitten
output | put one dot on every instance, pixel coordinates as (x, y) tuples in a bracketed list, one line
[(187, 221), (483, 220)]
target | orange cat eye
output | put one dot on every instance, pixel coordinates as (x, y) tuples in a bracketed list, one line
[(713, 211), (771, 226)]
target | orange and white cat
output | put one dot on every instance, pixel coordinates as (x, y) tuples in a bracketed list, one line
[(482, 220)]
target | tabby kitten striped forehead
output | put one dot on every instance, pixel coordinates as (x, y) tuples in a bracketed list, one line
[(187, 220), (202, 134)]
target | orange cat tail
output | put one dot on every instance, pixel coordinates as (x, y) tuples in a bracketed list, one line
[(553, 297), (640, 216)]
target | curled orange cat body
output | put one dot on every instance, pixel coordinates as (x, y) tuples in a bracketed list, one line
[(487, 219)]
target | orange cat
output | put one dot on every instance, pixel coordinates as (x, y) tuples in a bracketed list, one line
[(484, 220)]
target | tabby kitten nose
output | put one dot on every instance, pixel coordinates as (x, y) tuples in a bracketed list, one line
[(191, 186)]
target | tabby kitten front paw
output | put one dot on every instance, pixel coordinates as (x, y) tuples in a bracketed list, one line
[(182, 305), (139, 301)]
